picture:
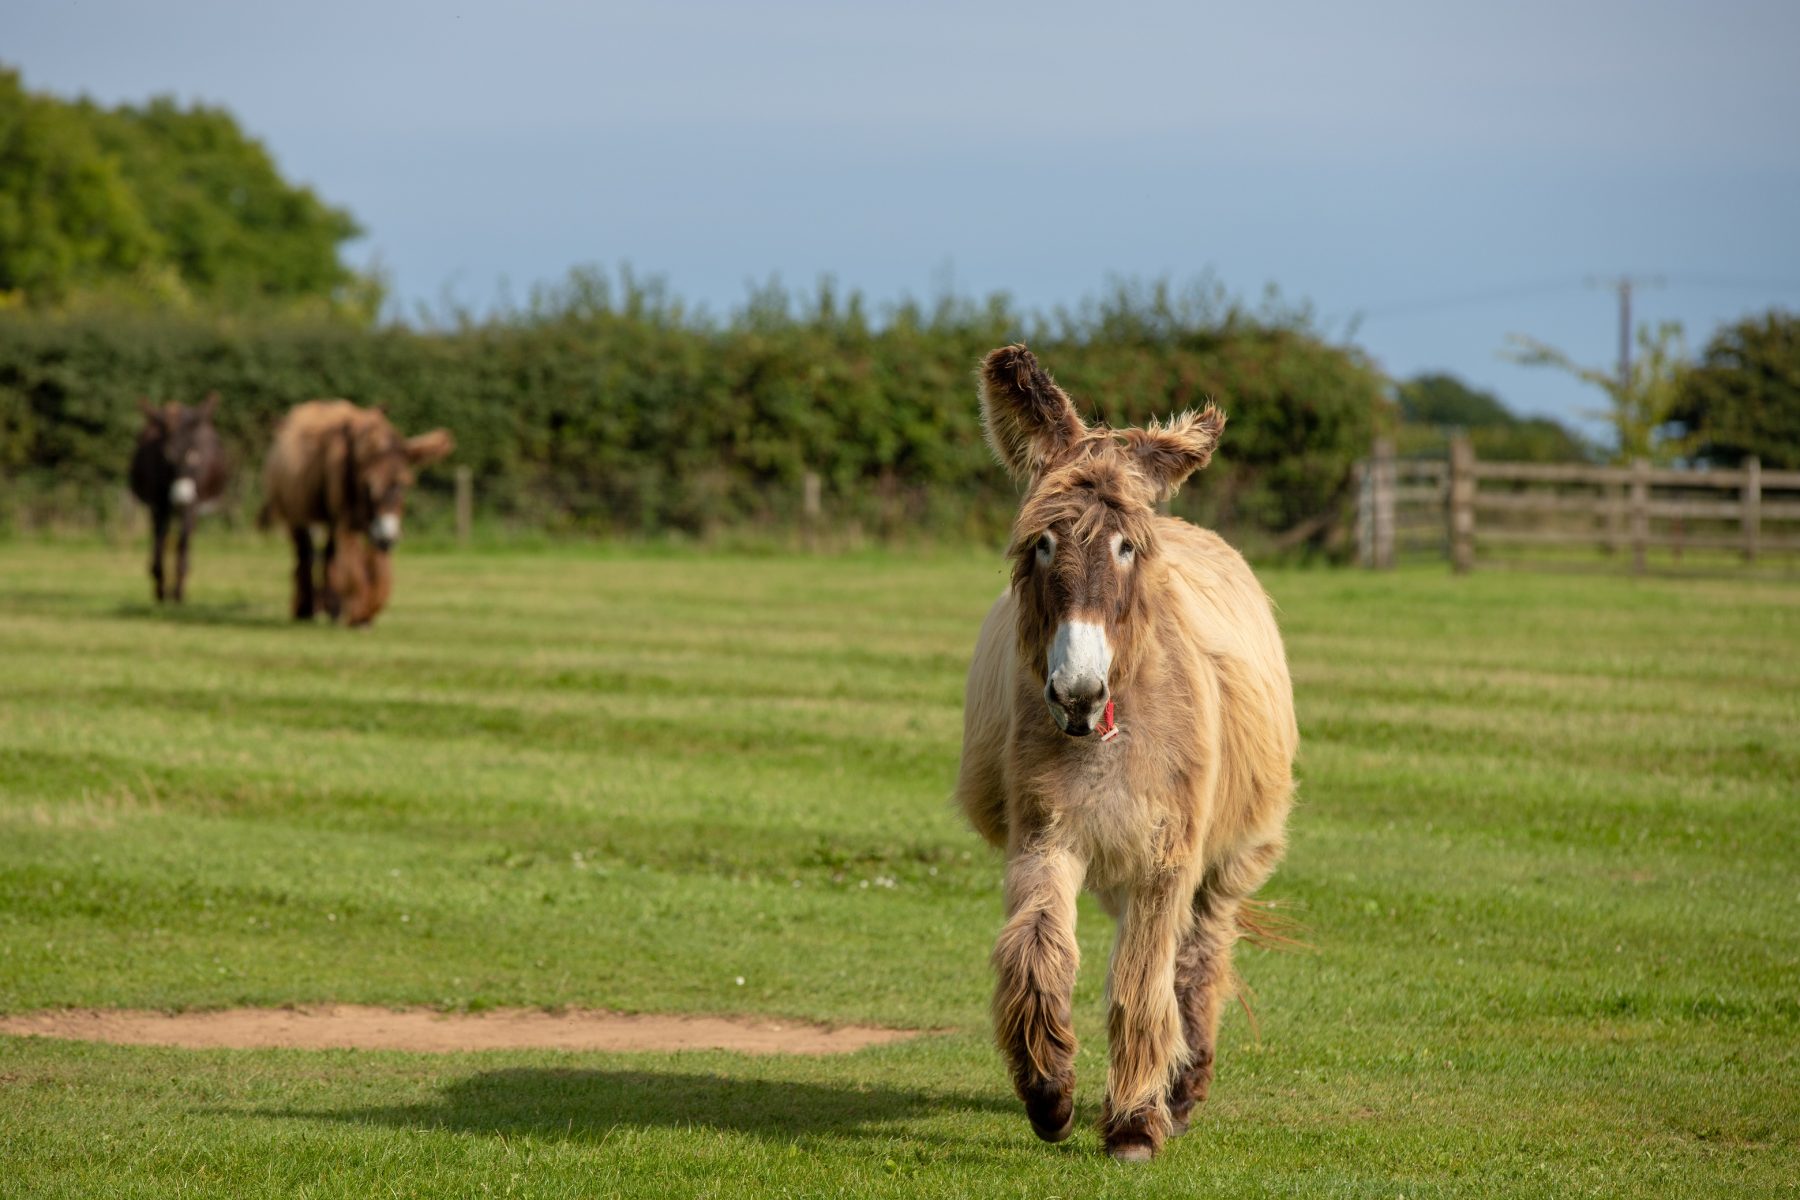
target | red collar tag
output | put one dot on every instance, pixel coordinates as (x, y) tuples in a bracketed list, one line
[(1108, 729)]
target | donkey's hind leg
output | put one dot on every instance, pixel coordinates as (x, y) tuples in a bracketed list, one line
[(1035, 961), (1203, 975), (1202, 984)]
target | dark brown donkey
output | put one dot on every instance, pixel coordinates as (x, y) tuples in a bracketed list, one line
[(178, 470), (348, 469)]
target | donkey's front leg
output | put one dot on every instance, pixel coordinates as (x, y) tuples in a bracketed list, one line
[(330, 599), (303, 572), (181, 553), (1143, 1020), (159, 534), (1035, 960)]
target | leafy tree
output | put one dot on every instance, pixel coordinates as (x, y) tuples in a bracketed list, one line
[(156, 199), (231, 226), (1642, 405), (1435, 404), (1436, 398), (1744, 395), (67, 215)]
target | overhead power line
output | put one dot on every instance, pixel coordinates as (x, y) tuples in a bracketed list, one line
[(1568, 283), (1493, 295), (1736, 283)]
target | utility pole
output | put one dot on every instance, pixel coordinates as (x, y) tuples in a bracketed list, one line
[(1623, 285)]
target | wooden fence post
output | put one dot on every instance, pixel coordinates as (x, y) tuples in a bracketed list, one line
[(1752, 507), (811, 507), (1640, 512), (1385, 480), (465, 504), (1613, 496), (1462, 504), (1365, 513)]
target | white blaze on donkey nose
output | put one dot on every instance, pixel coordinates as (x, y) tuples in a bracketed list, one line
[(1080, 661), (1080, 650), (387, 528), (182, 493)]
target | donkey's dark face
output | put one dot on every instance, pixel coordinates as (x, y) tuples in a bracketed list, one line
[(189, 444), (1087, 529), (384, 481), (1081, 537)]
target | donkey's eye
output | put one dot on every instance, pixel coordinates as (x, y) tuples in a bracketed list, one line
[(1126, 550), (1046, 546)]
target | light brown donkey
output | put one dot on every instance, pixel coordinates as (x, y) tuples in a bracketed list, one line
[(1129, 728), (348, 469)]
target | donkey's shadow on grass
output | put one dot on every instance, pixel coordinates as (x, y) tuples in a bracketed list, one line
[(587, 1105), (61, 602), (242, 613)]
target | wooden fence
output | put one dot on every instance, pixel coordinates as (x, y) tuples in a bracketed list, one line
[(1462, 507)]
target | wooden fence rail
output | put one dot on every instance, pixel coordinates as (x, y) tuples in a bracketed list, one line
[(1458, 506)]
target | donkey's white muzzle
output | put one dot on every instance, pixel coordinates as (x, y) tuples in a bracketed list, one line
[(183, 493), (385, 530), (1080, 662)]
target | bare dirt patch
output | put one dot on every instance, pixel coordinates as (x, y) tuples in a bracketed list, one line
[(358, 1027)]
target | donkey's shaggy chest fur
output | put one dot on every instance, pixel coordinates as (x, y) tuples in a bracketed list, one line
[(1099, 814), (1211, 683)]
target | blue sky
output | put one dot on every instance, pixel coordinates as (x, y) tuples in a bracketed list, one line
[(1450, 172)]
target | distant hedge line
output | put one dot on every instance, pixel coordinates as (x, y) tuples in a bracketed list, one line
[(610, 409)]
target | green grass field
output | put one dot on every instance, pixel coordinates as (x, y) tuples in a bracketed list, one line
[(1547, 853)]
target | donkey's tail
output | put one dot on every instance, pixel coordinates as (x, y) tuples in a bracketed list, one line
[(1263, 925)]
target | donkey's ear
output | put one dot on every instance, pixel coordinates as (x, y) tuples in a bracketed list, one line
[(1168, 454), (151, 413), (209, 406), (427, 448), (1027, 419)]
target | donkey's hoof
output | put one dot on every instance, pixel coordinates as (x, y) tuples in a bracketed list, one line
[(1135, 1139), (1132, 1152), (1052, 1113)]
